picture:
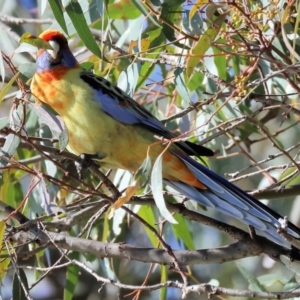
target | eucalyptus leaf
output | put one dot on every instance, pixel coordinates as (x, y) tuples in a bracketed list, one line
[(157, 190)]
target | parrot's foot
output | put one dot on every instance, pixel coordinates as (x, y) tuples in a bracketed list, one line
[(86, 161)]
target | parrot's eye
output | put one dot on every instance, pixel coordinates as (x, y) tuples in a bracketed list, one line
[(56, 48)]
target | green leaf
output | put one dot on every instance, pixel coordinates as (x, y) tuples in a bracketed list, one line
[(9, 149), (278, 142), (255, 284), (156, 2), (181, 86), (3, 122), (27, 69), (220, 62), (204, 43), (271, 282), (211, 10), (157, 189), (125, 10), (2, 68), (14, 192), (87, 65), (7, 87), (236, 64), (58, 13), (291, 284), (197, 5), (163, 278), (107, 266), (4, 262), (5, 184), (139, 4), (63, 138), (195, 81), (193, 25), (35, 41), (168, 13), (105, 229), (71, 278), (74, 11), (182, 232), (143, 173), (146, 213), (292, 182), (43, 5), (55, 124), (18, 292), (90, 13), (128, 78), (157, 38), (292, 265)]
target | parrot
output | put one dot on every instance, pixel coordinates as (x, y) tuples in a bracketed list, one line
[(105, 122)]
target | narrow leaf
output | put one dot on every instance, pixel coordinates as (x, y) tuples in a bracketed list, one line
[(19, 284), (143, 173), (204, 43), (146, 213), (139, 4), (157, 189), (129, 77), (3, 122), (181, 86), (43, 6), (163, 278), (6, 88), (292, 265), (74, 11), (48, 203), (182, 232), (4, 262), (125, 10), (251, 278), (35, 41), (220, 62), (58, 13), (167, 13), (101, 6), (9, 149), (63, 137), (90, 13), (27, 69), (55, 124), (2, 69), (198, 4), (71, 280)]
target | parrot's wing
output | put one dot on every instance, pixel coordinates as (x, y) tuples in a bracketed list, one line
[(123, 108)]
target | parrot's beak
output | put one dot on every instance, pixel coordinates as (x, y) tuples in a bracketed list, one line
[(56, 48)]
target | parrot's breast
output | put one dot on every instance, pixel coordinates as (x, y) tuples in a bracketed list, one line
[(90, 129)]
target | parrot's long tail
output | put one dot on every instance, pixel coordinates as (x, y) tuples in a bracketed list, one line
[(231, 200)]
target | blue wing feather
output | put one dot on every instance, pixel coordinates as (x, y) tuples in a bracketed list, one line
[(123, 108), (126, 113)]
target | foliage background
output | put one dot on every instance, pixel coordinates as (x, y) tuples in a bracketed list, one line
[(225, 74)]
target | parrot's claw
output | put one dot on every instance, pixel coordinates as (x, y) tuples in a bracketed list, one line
[(85, 162), (86, 159), (283, 227)]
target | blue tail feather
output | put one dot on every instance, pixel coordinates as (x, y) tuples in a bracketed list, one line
[(233, 201)]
